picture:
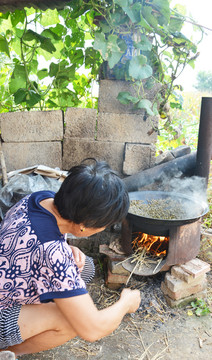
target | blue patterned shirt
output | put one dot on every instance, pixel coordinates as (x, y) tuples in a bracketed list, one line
[(36, 263)]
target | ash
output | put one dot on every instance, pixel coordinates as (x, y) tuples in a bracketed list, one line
[(151, 293)]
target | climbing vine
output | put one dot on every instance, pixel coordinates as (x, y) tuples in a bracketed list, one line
[(52, 59)]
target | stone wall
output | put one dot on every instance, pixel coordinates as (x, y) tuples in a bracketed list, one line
[(115, 133), (32, 138)]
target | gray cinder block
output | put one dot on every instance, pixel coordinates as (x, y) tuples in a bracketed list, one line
[(32, 126), (21, 155), (137, 157), (80, 123), (75, 150), (126, 128), (109, 90)]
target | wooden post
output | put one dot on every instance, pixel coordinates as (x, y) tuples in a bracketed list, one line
[(3, 166)]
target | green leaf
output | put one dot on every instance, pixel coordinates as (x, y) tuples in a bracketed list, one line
[(145, 104), (147, 14), (100, 44), (3, 79), (118, 18), (18, 78), (67, 73), (50, 34), (134, 12), (92, 60), (47, 45), (175, 24), (17, 16), (49, 17), (105, 28), (30, 11), (51, 104), (121, 3), (45, 42), (76, 56), (114, 52), (53, 69), (4, 45), (126, 98), (78, 8), (31, 35), (34, 98), (144, 44), (42, 74), (4, 16), (149, 83), (59, 30), (144, 24), (162, 6), (20, 96), (138, 69)]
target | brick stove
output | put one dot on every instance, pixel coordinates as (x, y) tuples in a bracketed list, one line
[(187, 277), (183, 236)]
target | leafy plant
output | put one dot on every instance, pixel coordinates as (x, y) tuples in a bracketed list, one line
[(157, 50), (200, 307), (42, 56), (73, 43), (182, 124)]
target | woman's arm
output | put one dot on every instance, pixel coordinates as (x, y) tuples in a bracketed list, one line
[(79, 257), (92, 324)]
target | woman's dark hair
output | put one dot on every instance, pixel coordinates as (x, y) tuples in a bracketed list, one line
[(92, 194)]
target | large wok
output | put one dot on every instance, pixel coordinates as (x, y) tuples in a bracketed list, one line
[(195, 209)]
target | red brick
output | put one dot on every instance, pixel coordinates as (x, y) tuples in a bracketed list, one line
[(116, 278), (196, 267), (104, 249), (181, 274), (176, 284), (176, 295), (187, 300)]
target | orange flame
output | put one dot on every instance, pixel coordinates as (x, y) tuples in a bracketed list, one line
[(155, 245)]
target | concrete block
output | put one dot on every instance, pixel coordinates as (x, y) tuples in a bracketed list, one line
[(75, 150), (80, 123), (187, 300), (126, 128), (109, 90), (174, 284), (196, 267), (180, 294), (181, 151), (32, 126), (164, 157), (21, 155), (137, 157), (117, 268)]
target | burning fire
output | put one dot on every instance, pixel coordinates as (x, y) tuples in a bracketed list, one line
[(154, 245)]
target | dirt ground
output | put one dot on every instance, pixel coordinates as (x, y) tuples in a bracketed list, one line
[(154, 332)]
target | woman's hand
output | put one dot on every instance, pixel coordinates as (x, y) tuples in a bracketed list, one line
[(133, 299), (79, 257)]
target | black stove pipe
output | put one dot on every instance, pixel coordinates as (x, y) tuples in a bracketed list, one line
[(204, 147)]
